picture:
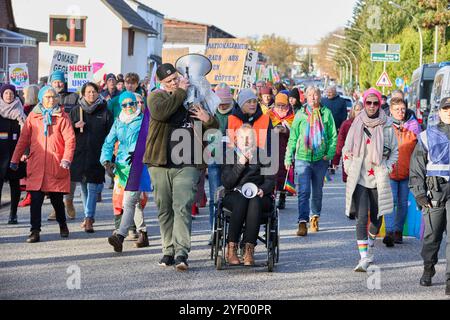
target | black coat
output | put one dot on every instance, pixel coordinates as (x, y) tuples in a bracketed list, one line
[(9, 135), (86, 166)]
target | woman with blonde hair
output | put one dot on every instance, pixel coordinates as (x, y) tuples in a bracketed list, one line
[(30, 95)]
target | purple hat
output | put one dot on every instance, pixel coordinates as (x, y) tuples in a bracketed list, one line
[(7, 87)]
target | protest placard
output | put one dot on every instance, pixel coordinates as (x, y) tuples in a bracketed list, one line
[(78, 75), (61, 61), (228, 60), (249, 75), (18, 75)]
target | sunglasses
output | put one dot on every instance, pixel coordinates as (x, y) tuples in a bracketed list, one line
[(128, 104), (372, 103)]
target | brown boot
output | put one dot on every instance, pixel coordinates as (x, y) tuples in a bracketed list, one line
[(70, 209), (232, 256), (314, 224), (249, 259), (302, 230), (88, 225), (34, 237), (142, 242)]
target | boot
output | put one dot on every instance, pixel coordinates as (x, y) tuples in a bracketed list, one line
[(142, 241), (232, 256), (12, 218), (132, 235), (389, 239), (282, 201), (88, 225), (26, 201), (71, 213), (249, 259), (398, 237), (116, 240), (63, 230), (34, 237), (52, 216), (302, 230), (314, 224), (428, 273)]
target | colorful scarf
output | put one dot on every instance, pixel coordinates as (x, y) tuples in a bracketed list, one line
[(286, 120), (315, 132)]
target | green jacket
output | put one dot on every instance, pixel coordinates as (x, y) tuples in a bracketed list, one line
[(162, 106), (296, 141)]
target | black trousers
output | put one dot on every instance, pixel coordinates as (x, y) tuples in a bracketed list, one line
[(37, 199), (248, 212), (14, 185), (365, 199)]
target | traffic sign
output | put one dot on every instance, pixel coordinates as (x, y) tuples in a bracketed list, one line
[(385, 57), (399, 82), (384, 80)]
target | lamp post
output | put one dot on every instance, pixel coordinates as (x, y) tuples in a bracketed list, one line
[(341, 67), (354, 57), (332, 56), (349, 39), (396, 5), (334, 51)]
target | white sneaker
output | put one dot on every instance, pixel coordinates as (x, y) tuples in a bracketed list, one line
[(362, 266), (370, 256)]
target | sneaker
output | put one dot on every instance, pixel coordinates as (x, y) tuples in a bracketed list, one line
[(167, 261), (362, 266), (181, 263)]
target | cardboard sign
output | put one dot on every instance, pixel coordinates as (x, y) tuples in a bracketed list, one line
[(228, 58), (19, 76), (78, 75), (249, 76), (171, 55), (61, 61)]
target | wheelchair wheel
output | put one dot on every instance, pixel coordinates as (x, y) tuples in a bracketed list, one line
[(270, 262), (219, 263)]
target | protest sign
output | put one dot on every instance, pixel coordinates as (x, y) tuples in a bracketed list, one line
[(61, 61), (249, 75), (78, 75), (18, 75)]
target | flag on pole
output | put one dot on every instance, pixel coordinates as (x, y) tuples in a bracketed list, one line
[(289, 183)]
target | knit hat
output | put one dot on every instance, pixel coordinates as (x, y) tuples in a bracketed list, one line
[(127, 95), (281, 98), (5, 87), (224, 93), (57, 75), (43, 91), (265, 90), (445, 103), (110, 76), (295, 94), (374, 92), (244, 96), (165, 70)]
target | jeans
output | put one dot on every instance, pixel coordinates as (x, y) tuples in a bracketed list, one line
[(132, 212), (396, 220), (214, 174), (89, 197), (309, 174)]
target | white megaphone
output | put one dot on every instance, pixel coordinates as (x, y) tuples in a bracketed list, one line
[(248, 190)]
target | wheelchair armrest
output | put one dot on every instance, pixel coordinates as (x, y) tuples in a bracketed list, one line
[(220, 193)]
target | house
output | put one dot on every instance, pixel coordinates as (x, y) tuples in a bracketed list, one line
[(188, 37), (105, 31), (17, 45)]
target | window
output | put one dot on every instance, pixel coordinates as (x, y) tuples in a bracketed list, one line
[(67, 31), (130, 42)]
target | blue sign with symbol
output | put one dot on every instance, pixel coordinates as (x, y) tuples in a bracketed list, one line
[(399, 82)]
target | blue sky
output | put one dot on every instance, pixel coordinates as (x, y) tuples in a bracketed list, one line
[(302, 21)]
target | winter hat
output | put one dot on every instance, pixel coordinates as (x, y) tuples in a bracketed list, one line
[(295, 94), (43, 91), (244, 96), (110, 76), (374, 92), (5, 87), (282, 98), (127, 95), (445, 103), (265, 90), (57, 75), (224, 93), (165, 70)]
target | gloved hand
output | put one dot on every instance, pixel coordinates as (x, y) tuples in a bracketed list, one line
[(129, 160), (423, 201), (65, 164), (14, 166), (109, 167)]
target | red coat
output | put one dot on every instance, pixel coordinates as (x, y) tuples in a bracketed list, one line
[(343, 131), (44, 172)]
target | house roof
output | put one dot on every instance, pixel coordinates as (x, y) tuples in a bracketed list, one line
[(39, 36), (168, 20), (147, 8), (129, 16)]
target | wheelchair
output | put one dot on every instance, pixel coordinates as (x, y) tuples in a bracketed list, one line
[(270, 238)]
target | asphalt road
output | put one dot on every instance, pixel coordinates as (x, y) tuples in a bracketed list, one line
[(319, 266)]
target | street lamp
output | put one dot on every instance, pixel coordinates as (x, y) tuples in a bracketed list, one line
[(349, 39), (345, 56), (333, 56), (354, 57), (396, 5), (342, 69)]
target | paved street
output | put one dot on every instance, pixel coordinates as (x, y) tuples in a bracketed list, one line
[(316, 267)]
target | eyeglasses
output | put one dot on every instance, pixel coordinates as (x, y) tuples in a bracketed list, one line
[(372, 103), (402, 110), (128, 104), (140, 102)]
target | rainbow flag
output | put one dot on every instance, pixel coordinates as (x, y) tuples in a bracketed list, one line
[(289, 183)]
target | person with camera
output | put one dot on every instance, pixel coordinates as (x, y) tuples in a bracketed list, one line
[(369, 155), (429, 182)]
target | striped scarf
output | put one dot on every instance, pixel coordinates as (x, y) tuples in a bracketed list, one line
[(285, 120), (315, 133)]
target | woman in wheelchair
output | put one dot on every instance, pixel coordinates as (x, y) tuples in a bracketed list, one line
[(246, 210)]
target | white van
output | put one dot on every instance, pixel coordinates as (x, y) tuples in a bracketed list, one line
[(441, 87)]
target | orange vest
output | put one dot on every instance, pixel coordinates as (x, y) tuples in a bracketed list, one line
[(261, 125), (407, 141)]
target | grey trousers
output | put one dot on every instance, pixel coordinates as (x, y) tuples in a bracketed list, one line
[(132, 212)]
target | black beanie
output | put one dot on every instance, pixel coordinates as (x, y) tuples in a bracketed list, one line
[(165, 70), (295, 94)]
